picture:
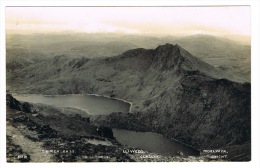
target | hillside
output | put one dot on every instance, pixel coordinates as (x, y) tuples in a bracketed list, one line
[(172, 92), (19, 58), (82, 75)]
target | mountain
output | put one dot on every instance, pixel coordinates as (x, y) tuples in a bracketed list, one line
[(172, 92), (230, 56), (165, 58)]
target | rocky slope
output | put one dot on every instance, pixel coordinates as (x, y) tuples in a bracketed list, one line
[(172, 92), (41, 133)]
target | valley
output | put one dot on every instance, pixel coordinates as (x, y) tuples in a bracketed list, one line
[(172, 93)]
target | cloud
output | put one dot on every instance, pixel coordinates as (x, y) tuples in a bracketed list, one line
[(142, 20)]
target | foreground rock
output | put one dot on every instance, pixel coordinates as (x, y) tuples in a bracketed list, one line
[(57, 136)]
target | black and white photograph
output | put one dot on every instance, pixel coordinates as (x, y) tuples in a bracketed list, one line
[(128, 84)]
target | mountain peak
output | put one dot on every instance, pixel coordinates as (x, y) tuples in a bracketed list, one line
[(168, 56), (172, 57), (167, 46)]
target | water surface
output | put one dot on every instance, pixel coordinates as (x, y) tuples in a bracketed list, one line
[(153, 142), (94, 105)]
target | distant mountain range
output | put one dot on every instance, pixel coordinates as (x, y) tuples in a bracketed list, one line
[(230, 56)]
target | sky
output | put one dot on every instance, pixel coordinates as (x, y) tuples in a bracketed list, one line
[(176, 21)]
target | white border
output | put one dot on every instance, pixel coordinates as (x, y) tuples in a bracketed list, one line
[(255, 9)]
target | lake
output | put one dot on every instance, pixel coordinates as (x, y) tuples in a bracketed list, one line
[(92, 104), (153, 142), (98, 105)]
